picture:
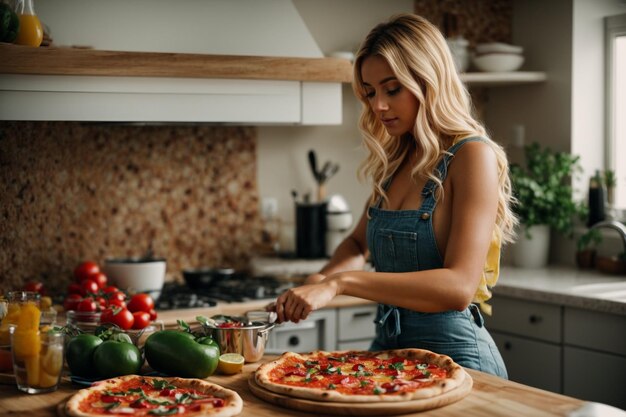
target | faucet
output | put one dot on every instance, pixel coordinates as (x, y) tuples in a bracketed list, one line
[(615, 225)]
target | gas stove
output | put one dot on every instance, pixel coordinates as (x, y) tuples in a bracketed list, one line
[(235, 289)]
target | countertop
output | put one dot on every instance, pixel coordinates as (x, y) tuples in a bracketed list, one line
[(490, 396), (556, 284), (563, 285)]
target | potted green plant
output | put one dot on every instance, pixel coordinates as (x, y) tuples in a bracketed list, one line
[(586, 248), (544, 202), (610, 181)]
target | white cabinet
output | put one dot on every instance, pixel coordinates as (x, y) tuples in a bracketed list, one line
[(355, 327), (328, 329), (594, 360), (528, 335), (318, 331)]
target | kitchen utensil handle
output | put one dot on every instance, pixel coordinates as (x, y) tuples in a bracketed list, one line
[(321, 192), (313, 164)]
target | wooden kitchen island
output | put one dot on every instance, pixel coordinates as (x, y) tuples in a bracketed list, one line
[(490, 396)]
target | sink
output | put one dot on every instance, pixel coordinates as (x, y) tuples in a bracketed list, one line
[(609, 290)]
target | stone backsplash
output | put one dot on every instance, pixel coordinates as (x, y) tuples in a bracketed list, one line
[(81, 191)]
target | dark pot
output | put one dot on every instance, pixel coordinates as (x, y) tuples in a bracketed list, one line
[(586, 259), (203, 278)]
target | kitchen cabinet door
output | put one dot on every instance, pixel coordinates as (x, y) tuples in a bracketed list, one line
[(594, 376), (531, 362), (316, 332)]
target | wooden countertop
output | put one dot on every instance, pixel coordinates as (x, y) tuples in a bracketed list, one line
[(169, 317), (490, 396)]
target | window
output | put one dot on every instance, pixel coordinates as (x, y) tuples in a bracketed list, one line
[(615, 29)]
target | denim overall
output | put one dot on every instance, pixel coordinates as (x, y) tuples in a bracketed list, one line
[(404, 241)]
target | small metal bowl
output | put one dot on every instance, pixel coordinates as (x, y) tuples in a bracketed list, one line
[(248, 340)]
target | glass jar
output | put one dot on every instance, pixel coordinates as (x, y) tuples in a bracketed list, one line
[(11, 307), (31, 31)]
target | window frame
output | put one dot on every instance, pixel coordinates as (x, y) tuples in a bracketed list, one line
[(614, 26)]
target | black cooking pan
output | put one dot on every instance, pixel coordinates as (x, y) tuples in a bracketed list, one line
[(203, 278)]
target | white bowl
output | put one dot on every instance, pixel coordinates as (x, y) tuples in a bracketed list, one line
[(498, 62), (137, 275), (498, 47)]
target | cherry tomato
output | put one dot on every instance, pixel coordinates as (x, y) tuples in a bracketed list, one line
[(73, 288), (71, 302), (141, 302), (141, 320), (118, 295), (101, 301), (100, 279), (110, 288), (35, 286), (85, 270), (122, 318), (88, 286), (153, 315), (115, 302), (87, 304)]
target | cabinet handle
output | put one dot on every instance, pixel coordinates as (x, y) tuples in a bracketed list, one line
[(508, 346), (535, 319), (362, 314), (293, 341)]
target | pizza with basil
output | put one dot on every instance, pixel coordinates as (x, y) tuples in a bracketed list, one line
[(134, 395), (362, 376)]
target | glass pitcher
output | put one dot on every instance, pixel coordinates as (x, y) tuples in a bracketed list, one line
[(31, 31)]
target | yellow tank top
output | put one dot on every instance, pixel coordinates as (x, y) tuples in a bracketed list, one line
[(491, 272)]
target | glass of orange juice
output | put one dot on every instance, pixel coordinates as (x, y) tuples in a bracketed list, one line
[(31, 31)]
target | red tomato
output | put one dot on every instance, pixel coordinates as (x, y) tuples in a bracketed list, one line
[(73, 288), (34, 286), (110, 288), (87, 304), (88, 286), (118, 295), (101, 301), (153, 314), (141, 302), (71, 302), (141, 320), (100, 279), (122, 318), (116, 302), (85, 270)]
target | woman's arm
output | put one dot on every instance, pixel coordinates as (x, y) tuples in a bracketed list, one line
[(474, 190)]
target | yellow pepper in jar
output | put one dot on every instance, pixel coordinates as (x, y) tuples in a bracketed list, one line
[(27, 341)]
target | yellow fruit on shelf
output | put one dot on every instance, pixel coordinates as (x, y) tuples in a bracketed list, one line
[(230, 363)]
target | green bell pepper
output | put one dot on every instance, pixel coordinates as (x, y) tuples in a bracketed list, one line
[(181, 354)]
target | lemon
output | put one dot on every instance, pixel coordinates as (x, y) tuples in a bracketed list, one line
[(230, 363)]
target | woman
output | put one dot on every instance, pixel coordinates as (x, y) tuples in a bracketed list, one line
[(439, 209)]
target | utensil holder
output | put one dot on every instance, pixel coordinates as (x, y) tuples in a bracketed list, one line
[(311, 230)]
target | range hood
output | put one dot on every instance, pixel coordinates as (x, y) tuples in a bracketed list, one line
[(220, 61)]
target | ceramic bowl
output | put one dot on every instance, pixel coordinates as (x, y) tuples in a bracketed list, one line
[(498, 62), (136, 275)]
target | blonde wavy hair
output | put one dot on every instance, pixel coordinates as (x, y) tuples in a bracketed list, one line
[(421, 61)]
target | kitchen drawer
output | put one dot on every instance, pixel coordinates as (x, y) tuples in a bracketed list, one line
[(594, 376), (315, 333), (303, 337), (531, 362), (356, 323), (590, 329), (525, 318)]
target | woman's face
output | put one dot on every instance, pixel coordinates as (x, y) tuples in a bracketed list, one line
[(393, 104)]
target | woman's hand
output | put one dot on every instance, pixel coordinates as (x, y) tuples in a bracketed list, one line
[(297, 303)]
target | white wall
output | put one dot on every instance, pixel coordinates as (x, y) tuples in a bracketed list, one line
[(282, 151)]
